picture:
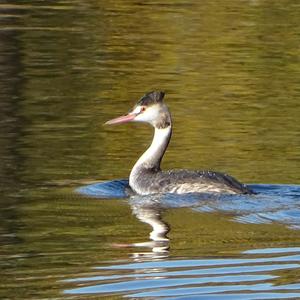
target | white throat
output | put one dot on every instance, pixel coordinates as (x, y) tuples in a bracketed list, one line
[(160, 140), (151, 159)]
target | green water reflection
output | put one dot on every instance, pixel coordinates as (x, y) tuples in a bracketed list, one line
[(231, 74)]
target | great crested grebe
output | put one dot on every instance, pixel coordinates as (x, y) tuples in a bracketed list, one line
[(146, 177)]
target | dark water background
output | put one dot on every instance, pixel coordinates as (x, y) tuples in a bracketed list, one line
[(231, 73)]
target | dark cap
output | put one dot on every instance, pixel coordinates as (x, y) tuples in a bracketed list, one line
[(151, 98)]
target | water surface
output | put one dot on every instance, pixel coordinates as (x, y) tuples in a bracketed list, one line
[(231, 76)]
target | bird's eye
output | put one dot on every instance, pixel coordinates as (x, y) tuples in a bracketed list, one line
[(143, 109)]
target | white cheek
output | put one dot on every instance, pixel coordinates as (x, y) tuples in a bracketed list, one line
[(137, 110), (149, 115)]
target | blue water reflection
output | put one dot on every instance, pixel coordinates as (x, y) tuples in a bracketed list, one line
[(254, 274), (251, 274), (106, 189), (272, 203)]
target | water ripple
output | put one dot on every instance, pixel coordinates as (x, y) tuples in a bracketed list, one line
[(255, 274), (272, 203)]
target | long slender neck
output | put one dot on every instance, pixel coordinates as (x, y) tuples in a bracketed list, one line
[(151, 159)]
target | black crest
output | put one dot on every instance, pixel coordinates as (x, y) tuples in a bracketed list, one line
[(151, 98)]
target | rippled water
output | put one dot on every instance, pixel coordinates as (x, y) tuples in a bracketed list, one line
[(270, 203), (250, 275), (231, 74)]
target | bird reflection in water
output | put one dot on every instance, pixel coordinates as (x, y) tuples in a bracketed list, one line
[(270, 203), (148, 209)]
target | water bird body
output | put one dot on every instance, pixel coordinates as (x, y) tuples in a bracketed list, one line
[(146, 176)]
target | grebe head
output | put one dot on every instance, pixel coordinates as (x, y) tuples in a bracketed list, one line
[(150, 109)]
